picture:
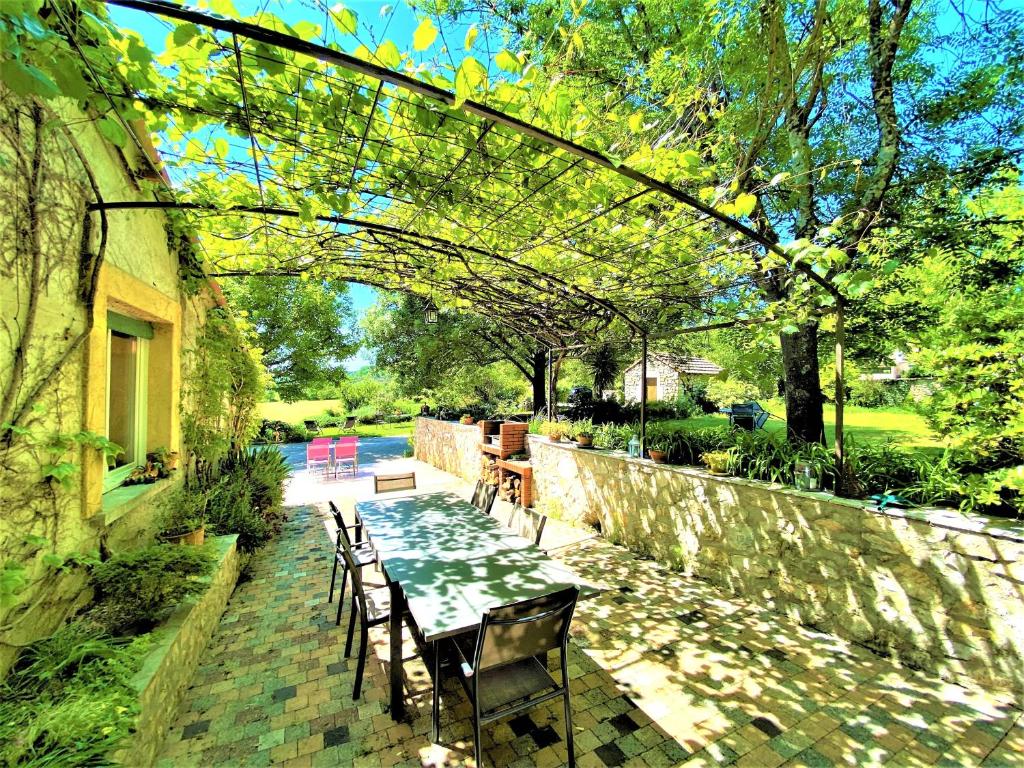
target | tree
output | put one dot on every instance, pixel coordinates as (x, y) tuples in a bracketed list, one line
[(304, 329), (421, 356), (824, 117)]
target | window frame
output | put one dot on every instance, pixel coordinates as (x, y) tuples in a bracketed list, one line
[(114, 478)]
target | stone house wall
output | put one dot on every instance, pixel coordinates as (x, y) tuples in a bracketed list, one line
[(936, 589), (138, 276), (668, 381)]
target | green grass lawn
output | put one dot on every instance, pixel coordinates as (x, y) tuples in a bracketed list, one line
[(300, 410), (877, 424)]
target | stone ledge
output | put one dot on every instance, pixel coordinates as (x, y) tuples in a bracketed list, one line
[(120, 501), (950, 519), (179, 643)]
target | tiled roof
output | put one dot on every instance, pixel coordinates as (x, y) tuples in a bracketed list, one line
[(682, 364)]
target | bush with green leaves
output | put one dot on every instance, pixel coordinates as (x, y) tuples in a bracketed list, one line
[(68, 700), (136, 589), (246, 497)]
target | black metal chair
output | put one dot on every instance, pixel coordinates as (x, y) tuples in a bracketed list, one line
[(372, 606), (484, 495), (362, 554), (503, 670), (527, 523)]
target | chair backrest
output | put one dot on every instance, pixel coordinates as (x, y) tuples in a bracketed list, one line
[(319, 440), (398, 482), (318, 452), (487, 497), (525, 629), (345, 451), (349, 439), (339, 521), (345, 550), (477, 498), (527, 523), (350, 422)]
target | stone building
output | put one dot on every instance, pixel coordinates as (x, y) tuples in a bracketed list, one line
[(666, 372)]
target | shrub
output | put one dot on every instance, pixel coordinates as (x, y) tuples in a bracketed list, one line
[(183, 510), (68, 700), (273, 431), (869, 393), (137, 588), (614, 437), (724, 393), (246, 498)]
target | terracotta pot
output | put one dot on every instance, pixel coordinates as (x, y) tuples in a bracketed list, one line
[(658, 457), (194, 538), (171, 462), (585, 440), (555, 438), (466, 421)]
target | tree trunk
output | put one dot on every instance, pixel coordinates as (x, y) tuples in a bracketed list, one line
[(803, 386), (539, 380)]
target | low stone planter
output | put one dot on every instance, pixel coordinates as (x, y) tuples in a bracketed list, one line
[(179, 643)]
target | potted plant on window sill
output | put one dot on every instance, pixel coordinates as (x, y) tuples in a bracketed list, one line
[(182, 518), (168, 460), (718, 461), (466, 419)]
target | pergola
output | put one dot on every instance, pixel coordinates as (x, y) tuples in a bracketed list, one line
[(378, 177)]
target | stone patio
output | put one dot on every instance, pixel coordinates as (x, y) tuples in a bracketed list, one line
[(665, 671)]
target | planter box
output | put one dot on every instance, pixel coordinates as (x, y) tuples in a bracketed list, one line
[(178, 645)]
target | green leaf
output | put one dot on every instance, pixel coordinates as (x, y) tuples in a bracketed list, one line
[(388, 54), (27, 80), (470, 76), (424, 35), (745, 204), (183, 34), (508, 62), (344, 19), (53, 560), (112, 131), (636, 122), (471, 35), (890, 266)]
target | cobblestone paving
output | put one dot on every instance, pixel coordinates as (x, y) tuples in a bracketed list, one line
[(665, 671)]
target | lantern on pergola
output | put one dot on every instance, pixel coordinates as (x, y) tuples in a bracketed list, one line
[(430, 312)]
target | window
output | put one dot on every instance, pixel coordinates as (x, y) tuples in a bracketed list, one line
[(127, 377)]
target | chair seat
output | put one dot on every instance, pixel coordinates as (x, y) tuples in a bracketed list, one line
[(362, 556), (378, 605), (504, 685)]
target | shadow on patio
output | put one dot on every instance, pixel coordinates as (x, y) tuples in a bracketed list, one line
[(665, 670)]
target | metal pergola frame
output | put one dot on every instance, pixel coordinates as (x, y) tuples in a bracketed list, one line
[(392, 242)]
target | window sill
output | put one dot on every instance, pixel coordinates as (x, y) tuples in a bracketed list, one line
[(117, 502)]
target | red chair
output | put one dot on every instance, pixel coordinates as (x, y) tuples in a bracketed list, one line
[(318, 453), (346, 451)]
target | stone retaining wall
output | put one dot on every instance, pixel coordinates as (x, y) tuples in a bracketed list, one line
[(170, 665), (932, 587)]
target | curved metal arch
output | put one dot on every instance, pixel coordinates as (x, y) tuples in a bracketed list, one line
[(372, 227), (405, 82)]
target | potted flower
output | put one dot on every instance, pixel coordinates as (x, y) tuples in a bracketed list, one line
[(168, 460), (554, 430), (182, 518), (466, 419), (583, 433), (718, 461), (657, 447)]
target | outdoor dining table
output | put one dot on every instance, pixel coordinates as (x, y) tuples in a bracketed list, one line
[(447, 563)]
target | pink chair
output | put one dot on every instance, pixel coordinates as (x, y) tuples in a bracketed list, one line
[(346, 451), (318, 453)]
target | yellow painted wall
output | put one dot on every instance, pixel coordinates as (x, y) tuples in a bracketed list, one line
[(138, 278)]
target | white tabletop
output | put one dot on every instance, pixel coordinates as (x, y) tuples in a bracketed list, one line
[(453, 562)]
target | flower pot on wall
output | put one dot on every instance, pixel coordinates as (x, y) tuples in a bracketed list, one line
[(194, 538), (658, 457), (585, 441)]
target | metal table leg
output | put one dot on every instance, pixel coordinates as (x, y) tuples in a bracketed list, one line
[(397, 674)]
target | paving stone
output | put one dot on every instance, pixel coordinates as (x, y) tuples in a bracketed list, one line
[(669, 672)]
